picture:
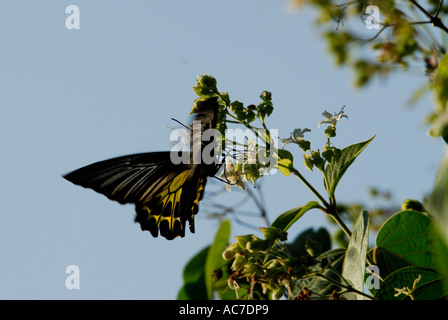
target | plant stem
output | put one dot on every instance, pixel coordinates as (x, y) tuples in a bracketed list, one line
[(316, 193), (329, 209), (346, 287), (335, 215)]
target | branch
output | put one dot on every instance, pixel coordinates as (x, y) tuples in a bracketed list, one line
[(378, 33), (426, 13), (439, 8), (387, 25), (435, 20), (317, 194), (260, 206)]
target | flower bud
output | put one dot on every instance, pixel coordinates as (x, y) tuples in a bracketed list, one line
[(253, 268), (273, 264), (308, 162), (327, 153), (230, 251), (330, 131), (273, 233), (278, 293), (242, 240), (410, 204), (239, 262), (266, 95), (257, 245)]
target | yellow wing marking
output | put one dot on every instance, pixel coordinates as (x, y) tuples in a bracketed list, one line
[(170, 195)]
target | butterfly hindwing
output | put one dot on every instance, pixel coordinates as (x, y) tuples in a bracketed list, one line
[(175, 204), (166, 195)]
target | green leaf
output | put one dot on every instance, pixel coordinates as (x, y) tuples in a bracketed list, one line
[(404, 240), (304, 145), (285, 166), (331, 265), (225, 98), (194, 282), (284, 154), (288, 218), (283, 220), (308, 162), (338, 165), (214, 258), (354, 267), (429, 287), (298, 247), (250, 116)]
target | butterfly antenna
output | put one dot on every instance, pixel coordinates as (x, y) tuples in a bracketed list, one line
[(226, 181), (180, 123)]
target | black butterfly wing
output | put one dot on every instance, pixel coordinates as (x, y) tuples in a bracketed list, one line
[(166, 195), (128, 179), (175, 204)]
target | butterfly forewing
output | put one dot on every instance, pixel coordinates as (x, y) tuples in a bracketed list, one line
[(165, 195), (128, 179)]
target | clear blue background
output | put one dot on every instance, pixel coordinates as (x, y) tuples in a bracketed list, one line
[(72, 97)]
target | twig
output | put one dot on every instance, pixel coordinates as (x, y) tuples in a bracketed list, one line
[(260, 207), (387, 25), (346, 287), (435, 20), (439, 8)]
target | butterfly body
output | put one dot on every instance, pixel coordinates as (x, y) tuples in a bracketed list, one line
[(166, 195)]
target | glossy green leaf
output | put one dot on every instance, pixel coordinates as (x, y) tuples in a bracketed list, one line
[(336, 168), (288, 218), (354, 267), (427, 287), (214, 258), (404, 240), (285, 218)]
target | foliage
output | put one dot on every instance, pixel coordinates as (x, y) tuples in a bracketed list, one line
[(409, 257), (379, 37)]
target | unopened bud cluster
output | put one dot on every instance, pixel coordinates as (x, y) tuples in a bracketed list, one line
[(265, 262)]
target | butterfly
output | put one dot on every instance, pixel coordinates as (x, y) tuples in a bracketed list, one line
[(166, 195)]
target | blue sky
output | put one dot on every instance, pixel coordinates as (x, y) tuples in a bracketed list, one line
[(73, 97)]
